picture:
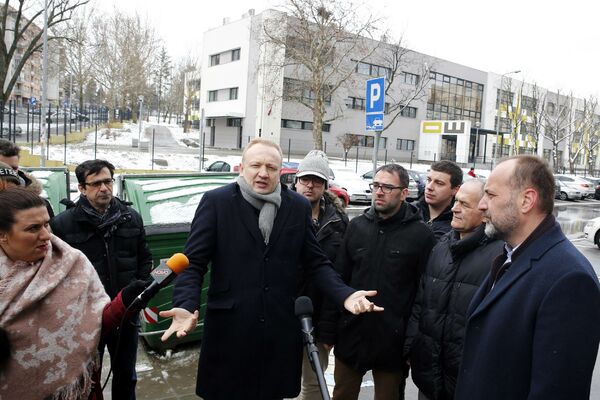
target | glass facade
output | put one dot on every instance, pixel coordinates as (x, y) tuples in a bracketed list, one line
[(452, 98)]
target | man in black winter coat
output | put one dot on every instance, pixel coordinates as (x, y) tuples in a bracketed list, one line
[(111, 235), (386, 248), (330, 222), (443, 180), (456, 268)]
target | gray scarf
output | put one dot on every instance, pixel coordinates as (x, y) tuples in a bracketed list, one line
[(268, 204)]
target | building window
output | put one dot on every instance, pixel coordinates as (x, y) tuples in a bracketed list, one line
[(210, 122), (214, 60), (369, 141), (234, 122), (371, 69), (409, 112), (405, 144), (235, 54), (212, 95), (356, 103), (452, 98), (233, 93), (411, 79), (305, 125)]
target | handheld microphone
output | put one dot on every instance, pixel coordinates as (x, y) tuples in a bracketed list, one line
[(303, 309), (162, 276)]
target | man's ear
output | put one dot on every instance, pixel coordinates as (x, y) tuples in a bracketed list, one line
[(528, 200)]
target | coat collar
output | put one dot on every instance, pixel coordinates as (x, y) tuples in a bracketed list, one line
[(247, 215), (521, 266)]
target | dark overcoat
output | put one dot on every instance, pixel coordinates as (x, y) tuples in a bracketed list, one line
[(252, 344), (535, 334)]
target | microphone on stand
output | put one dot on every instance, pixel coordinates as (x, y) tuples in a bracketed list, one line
[(304, 310)]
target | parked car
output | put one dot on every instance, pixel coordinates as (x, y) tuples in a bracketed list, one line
[(222, 166), (5, 130), (358, 189), (585, 187), (288, 176), (568, 190), (596, 185), (592, 231), (61, 116), (415, 190)]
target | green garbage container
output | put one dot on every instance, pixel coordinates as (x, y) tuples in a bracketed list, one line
[(55, 184), (167, 203)]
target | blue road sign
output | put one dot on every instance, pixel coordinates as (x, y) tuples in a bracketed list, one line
[(374, 122), (375, 104), (375, 95), (32, 101)]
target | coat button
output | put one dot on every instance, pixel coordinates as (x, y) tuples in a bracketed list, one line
[(261, 319), (266, 288), (381, 232), (266, 259)]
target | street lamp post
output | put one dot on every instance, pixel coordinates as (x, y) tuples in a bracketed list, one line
[(475, 149), (498, 112)]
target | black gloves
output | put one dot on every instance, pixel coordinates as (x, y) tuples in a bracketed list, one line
[(5, 349), (131, 291)]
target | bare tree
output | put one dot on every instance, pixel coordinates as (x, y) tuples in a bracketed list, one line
[(125, 47), (348, 140), (20, 28), (175, 93), (586, 137), (191, 90), (558, 123), (323, 41), (78, 55), (402, 87), (535, 112)]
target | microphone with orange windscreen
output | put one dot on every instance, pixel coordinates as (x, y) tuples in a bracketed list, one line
[(162, 276)]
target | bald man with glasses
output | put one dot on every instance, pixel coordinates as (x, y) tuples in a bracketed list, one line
[(111, 234), (385, 248)]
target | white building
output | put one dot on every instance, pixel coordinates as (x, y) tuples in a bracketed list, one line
[(455, 117)]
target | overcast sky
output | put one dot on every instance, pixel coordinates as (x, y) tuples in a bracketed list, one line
[(554, 43)]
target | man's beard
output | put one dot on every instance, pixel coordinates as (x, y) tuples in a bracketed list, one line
[(504, 226)]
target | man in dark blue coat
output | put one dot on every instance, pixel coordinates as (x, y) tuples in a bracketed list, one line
[(259, 239), (532, 327)]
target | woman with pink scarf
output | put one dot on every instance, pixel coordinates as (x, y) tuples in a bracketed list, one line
[(53, 307)]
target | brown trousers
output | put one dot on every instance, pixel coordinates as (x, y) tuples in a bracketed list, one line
[(388, 384)]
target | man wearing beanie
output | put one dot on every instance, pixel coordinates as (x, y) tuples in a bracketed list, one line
[(257, 237), (329, 221)]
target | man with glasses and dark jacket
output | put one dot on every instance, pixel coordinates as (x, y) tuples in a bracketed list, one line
[(111, 235), (386, 248), (330, 222)]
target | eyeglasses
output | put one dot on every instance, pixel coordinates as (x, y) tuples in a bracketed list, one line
[(97, 184), (316, 181), (387, 189)]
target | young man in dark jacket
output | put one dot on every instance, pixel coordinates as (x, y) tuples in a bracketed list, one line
[(385, 248), (330, 222), (111, 235), (443, 180), (457, 266)]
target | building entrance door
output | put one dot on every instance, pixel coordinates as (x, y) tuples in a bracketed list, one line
[(448, 150)]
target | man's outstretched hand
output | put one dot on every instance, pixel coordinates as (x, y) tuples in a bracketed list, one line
[(357, 302), (183, 322)]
